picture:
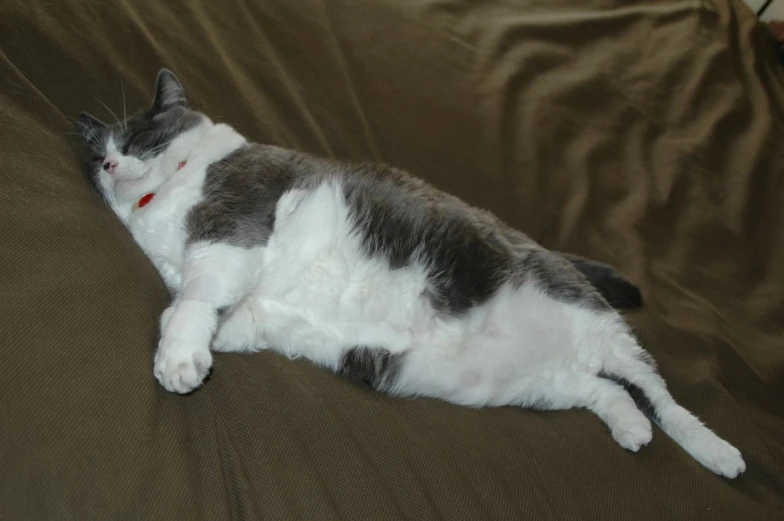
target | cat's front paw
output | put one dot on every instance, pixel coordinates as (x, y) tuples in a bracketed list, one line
[(181, 368)]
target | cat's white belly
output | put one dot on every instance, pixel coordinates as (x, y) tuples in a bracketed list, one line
[(337, 299)]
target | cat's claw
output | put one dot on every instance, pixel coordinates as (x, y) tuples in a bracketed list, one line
[(181, 369)]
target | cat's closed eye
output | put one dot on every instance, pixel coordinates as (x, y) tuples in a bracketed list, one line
[(126, 148), (141, 143)]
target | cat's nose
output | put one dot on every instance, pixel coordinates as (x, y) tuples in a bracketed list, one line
[(109, 166)]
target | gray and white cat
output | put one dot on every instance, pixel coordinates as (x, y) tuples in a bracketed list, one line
[(374, 274)]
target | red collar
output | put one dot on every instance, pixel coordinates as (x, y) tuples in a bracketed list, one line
[(146, 198)]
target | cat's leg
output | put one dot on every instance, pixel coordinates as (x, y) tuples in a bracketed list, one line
[(604, 346), (238, 331), (603, 336), (631, 366), (214, 276), (608, 400)]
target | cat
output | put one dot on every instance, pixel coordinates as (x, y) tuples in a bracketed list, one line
[(374, 274)]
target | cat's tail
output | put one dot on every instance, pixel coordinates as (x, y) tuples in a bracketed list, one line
[(636, 371), (617, 290)]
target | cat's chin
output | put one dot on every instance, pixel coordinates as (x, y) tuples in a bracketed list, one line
[(129, 190)]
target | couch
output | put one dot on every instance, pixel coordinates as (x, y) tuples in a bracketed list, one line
[(645, 134)]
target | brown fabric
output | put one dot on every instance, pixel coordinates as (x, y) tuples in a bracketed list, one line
[(777, 29), (644, 134)]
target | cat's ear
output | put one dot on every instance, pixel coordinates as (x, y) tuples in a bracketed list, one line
[(168, 91), (89, 126)]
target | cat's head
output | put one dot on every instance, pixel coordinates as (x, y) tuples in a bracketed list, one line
[(127, 159)]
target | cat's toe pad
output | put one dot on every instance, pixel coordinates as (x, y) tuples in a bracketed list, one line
[(181, 369)]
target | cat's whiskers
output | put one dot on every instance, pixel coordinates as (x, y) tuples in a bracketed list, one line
[(92, 128), (154, 149), (111, 112), (125, 112)]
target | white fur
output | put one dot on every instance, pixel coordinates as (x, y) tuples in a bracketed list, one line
[(312, 293)]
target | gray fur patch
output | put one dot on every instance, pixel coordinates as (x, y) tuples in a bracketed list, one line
[(372, 366), (403, 220), (240, 196), (559, 279)]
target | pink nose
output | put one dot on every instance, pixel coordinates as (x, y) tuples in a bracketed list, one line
[(109, 166)]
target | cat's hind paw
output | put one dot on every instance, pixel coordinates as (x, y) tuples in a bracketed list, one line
[(633, 432), (179, 368), (718, 455)]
